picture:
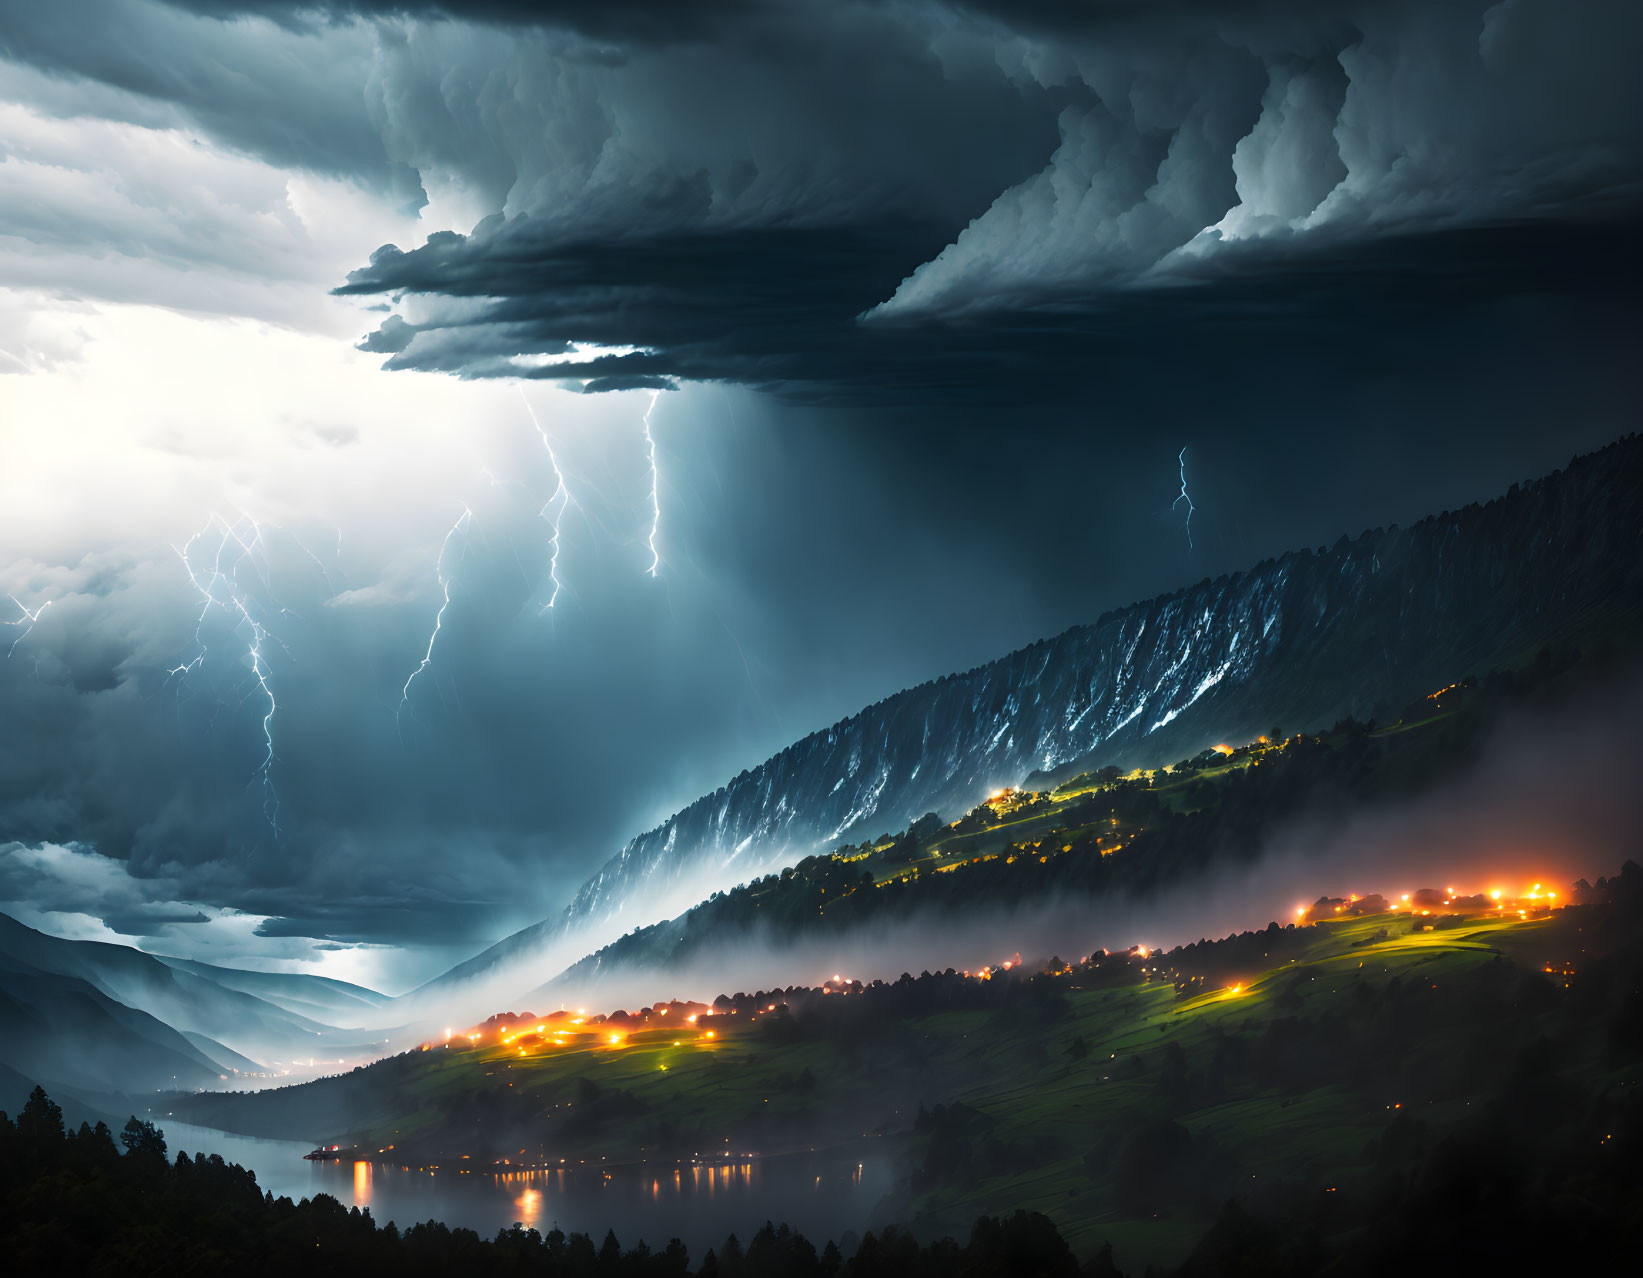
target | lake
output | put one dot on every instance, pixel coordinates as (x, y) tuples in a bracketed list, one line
[(822, 1195)]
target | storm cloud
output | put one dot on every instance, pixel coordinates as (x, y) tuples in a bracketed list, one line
[(943, 289), (1218, 156), (813, 196)]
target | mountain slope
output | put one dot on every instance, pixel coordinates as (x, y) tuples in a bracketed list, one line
[(226, 1058), (1357, 628), (316, 997), (1533, 746), (192, 998), (57, 1029)]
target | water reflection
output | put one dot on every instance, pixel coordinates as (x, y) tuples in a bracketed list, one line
[(529, 1205), (821, 1195), (700, 1203), (711, 1179)]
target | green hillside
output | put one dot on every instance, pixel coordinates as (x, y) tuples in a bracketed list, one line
[(1127, 1097), (1097, 834), (1318, 1072)]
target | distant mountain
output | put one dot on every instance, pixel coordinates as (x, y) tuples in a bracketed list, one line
[(226, 1058), (63, 1030), (1357, 628), (319, 997), (15, 1089), (198, 1000)]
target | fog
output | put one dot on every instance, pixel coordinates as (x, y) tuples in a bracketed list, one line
[(1549, 798)]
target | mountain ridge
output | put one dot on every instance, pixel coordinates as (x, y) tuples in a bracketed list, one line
[(1307, 634), (209, 1008), (65, 1030)]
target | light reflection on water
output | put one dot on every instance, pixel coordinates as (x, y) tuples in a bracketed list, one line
[(821, 1195)]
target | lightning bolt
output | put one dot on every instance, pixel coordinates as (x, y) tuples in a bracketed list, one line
[(655, 489), (315, 560), (1182, 458), (27, 621), (460, 526), (560, 494), (218, 584)]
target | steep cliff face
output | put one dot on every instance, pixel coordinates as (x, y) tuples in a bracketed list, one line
[(1295, 641)]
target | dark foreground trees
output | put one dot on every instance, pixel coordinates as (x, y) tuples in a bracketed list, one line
[(1517, 1189), (72, 1203)]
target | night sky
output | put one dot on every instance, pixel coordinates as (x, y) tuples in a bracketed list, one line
[(924, 301)]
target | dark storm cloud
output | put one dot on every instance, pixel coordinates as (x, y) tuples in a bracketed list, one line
[(599, 385), (896, 168), (410, 920), (1250, 161), (297, 104), (622, 20), (765, 306), (147, 921), (74, 879), (777, 309), (392, 338), (1021, 191), (799, 116)]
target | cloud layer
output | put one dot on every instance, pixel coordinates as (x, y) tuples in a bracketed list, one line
[(998, 263), (1288, 133), (728, 186)]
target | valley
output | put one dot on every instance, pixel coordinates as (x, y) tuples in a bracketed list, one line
[(1302, 977), (1121, 1095)]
